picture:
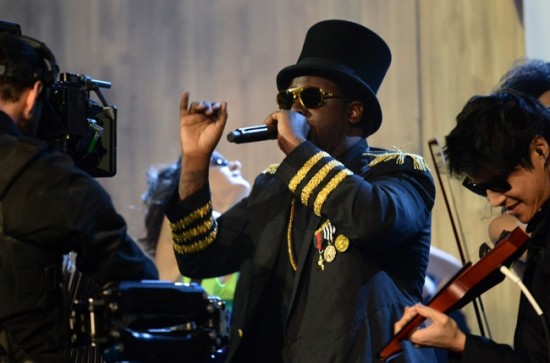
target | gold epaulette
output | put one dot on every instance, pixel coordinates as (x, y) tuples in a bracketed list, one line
[(271, 169), (399, 156)]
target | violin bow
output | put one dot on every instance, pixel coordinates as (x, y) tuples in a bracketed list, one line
[(479, 310)]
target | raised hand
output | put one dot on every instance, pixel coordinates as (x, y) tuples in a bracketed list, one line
[(201, 126)]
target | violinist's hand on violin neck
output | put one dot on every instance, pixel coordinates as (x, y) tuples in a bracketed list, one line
[(408, 313), (441, 331)]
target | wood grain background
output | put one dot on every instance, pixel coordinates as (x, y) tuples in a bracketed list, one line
[(444, 51)]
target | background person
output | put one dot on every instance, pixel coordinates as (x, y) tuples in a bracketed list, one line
[(228, 187), (529, 76)]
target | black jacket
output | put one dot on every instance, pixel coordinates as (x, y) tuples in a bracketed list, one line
[(48, 209), (341, 310), (530, 340)]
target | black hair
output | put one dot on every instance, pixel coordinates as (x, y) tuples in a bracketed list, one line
[(530, 76), (493, 135), (161, 185)]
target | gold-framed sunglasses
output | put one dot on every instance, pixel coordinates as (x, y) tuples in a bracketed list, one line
[(309, 97)]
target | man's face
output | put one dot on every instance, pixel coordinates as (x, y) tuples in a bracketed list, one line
[(329, 123), (528, 190)]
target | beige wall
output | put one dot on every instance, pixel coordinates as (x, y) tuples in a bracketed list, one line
[(444, 51), (465, 47)]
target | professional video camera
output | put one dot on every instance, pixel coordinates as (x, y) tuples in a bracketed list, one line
[(72, 122), (151, 321), (86, 129)]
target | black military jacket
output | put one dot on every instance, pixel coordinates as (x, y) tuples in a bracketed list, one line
[(359, 235)]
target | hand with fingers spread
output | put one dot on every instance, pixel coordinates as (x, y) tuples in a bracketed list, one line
[(442, 331)]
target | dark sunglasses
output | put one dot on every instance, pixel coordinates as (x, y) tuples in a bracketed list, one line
[(499, 186), (309, 97), (218, 160)]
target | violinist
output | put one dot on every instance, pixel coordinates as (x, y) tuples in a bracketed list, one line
[(501, 146), (532, 77)]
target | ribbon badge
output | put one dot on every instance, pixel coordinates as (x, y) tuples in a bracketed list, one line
[(327, 245)]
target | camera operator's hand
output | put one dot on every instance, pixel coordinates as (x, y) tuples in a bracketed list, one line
[(201, 127)]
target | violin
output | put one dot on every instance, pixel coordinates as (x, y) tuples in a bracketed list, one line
[(468, 283)]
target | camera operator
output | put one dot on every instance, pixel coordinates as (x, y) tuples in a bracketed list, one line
[(48, 208)]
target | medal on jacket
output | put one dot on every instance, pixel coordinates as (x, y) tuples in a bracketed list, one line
[(323, 240), (341, 243)]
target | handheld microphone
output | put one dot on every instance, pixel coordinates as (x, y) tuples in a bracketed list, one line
[(252, 134)]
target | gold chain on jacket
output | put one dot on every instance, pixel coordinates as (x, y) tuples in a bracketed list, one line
[(289, 236)]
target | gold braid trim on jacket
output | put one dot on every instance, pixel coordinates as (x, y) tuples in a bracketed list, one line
[(399, 156), (316, 180), (331, 185), (271, 169), (187, 239), (327, 178), (301, 174)]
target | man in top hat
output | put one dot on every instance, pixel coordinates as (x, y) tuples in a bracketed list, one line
[(332, 242)]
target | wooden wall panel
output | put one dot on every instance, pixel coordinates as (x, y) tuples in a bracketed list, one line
[(443, 52), (224, 50), (465, 47)]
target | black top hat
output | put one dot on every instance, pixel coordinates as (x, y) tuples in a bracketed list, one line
[(347, 53)]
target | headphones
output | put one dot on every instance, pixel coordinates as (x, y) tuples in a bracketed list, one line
[(52, 69), (47, 72)]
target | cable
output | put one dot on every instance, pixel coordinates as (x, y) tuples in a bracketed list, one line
[(516, 280), (483, 250)]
